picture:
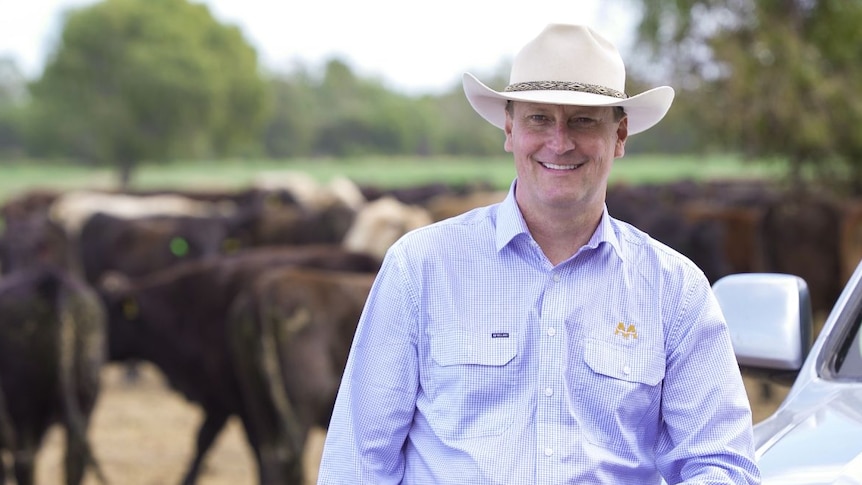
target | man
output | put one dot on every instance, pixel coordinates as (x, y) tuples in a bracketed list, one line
[(539, 340)]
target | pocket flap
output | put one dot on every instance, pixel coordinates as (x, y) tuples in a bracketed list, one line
[(625, 363), (473, 348)]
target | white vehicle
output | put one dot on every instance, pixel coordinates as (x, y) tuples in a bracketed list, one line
[(815, 435)]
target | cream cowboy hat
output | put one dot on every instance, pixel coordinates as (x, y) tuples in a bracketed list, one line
[(573, 65)]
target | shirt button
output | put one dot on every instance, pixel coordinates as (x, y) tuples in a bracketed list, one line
[(627, 370), (549, 451), (556, 277), (552, 331), (549, 392)]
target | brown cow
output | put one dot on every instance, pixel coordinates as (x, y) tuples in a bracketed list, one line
[(657, 211), (291, 333), (176, 319), (801, 235)]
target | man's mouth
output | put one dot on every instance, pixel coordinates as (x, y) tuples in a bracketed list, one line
[(553, 166)]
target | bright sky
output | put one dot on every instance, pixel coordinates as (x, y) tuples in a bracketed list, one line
[(417, 47)]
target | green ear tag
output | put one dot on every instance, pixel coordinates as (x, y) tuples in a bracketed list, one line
[(179, 247)]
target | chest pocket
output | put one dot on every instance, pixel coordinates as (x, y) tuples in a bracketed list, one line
[(619, 393), (470, 382)]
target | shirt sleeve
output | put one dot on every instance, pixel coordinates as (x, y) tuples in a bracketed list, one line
[(377, 397), (707, 435)]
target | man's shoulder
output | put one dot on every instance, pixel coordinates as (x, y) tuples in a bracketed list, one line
[(462, 230), (640, 245)]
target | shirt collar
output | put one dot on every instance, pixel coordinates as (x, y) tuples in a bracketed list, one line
[(511, 224), (606, 232)]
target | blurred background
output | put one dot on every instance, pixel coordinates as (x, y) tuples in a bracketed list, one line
[(760, 155), (124, 83)]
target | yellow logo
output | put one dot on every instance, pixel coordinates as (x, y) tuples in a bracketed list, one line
[(626, 332)]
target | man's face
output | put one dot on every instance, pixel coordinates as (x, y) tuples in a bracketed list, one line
[(563, 154)]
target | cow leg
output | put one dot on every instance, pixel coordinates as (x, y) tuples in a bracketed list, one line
[(275, 470), (76, 459), (132, 372), (2, 468), (277, 462), (24, 466), (212, 425)]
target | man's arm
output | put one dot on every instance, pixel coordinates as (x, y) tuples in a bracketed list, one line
[(706, 434), (376, 401)]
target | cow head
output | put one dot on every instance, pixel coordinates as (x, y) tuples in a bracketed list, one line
[(34, 241)]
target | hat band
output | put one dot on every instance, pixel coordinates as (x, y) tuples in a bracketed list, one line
[(565, 86)]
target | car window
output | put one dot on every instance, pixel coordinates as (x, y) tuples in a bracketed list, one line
[(848, 360)]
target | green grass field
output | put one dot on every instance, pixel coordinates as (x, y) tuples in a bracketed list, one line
[(17, 177)]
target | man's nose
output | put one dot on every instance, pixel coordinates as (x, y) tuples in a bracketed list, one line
[(561, 139)]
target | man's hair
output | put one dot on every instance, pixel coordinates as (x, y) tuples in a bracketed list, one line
[(619, 112)]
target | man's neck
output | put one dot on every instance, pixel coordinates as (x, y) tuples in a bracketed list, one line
[(562, 234)]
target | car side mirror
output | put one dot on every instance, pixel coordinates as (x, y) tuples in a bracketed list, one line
[(770, 319)]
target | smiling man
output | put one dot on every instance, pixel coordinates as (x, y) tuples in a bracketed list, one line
[(540, 340)]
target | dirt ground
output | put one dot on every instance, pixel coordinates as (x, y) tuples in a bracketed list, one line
[(143, 434)]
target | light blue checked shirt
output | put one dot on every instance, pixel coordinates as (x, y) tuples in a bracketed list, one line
[(478, 362)]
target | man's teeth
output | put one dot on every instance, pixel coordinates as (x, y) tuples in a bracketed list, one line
[(561, 167)]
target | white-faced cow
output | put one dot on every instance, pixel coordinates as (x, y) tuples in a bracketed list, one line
[(381, 222)]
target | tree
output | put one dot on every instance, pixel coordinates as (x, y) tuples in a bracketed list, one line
[(775, 78), (13, 94), (291, 126), (136, 80)]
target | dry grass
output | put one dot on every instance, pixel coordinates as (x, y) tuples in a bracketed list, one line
[(143, 434)]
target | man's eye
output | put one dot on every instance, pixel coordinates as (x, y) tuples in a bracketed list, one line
[(537, 118), (583, 121)]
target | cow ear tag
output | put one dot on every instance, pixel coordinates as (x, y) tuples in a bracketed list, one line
[(130, 309), (179, 247), (231, 245)]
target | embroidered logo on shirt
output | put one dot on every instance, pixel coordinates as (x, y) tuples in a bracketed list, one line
[(500, 335), (626, 332)]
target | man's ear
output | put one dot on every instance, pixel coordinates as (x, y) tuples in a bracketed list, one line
[(507, 130), (622, 136)]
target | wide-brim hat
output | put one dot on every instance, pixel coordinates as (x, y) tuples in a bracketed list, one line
[(569, 65)]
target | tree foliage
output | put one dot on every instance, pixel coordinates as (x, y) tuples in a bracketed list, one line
[(135, 80), (152, 80), (340, 114), (771, 78), (13, 95)]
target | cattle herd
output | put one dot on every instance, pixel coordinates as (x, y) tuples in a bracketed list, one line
[(246, 300)]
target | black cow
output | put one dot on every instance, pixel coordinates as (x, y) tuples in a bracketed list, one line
[(34, 240), (52, 347), (140, 245), (177, 320), (291, 333), (136, 246)]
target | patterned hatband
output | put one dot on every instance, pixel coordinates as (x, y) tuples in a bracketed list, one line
[(565, 86)]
